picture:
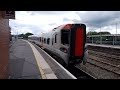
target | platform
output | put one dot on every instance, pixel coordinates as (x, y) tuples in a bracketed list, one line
[(27, 63), (106, 46)]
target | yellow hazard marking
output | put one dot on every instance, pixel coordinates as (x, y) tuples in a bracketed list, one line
[(35, 51)]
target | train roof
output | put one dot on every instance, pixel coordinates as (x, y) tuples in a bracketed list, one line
[(67, 26), (57, 29)]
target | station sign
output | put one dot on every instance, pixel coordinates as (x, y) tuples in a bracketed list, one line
[(8, 14)]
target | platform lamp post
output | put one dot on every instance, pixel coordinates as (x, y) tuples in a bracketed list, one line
[(89, 34), (116, 35), (92, 36), (100, 36), (42, 40), (16, 33)]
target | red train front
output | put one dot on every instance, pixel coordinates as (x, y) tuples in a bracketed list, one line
[(77, 40)]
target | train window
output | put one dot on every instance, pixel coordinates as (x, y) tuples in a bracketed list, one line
[(52, 40), (65, 37), (48, 40), (55, 38), (44, 40), (40, 39)]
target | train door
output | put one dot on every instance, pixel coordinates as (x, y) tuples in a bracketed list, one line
[(54, 40)]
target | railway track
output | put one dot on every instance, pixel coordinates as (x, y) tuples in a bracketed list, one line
[(108, 58), (110, 51), (105, 58), (105, 61), (105, 66), (101, 60), (108, 55)]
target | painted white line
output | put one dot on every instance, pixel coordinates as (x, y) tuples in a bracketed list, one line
[(49, 76), (42, 64), (60, 65)]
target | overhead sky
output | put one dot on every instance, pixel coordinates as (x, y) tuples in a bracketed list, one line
[(38, 22)]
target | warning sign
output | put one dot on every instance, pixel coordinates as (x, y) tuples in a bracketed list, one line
[(8, 14)]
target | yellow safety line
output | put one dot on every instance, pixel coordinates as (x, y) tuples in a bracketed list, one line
[(40, 68)]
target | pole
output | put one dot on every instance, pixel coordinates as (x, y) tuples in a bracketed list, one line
[(100, 36), (116, 35), (89, 35), (113, 39), (92, 37), (17, 34)]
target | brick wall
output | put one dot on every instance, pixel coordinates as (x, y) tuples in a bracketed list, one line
[(4, 47)]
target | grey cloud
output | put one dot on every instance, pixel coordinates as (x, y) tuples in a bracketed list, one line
[(94, 19), (48, 12), (66, 19), (17, 26), (99, 18), (74, 20), (52, 24)]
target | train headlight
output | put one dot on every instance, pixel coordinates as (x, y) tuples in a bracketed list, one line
[(63, 49)]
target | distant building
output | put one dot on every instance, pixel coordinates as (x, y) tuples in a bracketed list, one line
[(112, 39)]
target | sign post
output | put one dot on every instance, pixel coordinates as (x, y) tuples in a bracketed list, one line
[(8, 14)]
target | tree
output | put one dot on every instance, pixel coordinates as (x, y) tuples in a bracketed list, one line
[(104, 33), (25, 36), (98, 33), (21, 35), (28, 34), (92, 33)]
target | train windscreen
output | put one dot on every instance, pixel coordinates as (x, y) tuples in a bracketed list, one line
[(65, 36)]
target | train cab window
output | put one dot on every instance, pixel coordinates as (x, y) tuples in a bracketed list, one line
[(55, 38), (48, 40), (65, 36)]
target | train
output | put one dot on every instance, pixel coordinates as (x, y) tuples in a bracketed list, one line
[(67, 42)]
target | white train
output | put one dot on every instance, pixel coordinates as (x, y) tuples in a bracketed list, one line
[(67, 42)]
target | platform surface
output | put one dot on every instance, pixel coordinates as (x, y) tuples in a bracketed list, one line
[(27, 63)]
